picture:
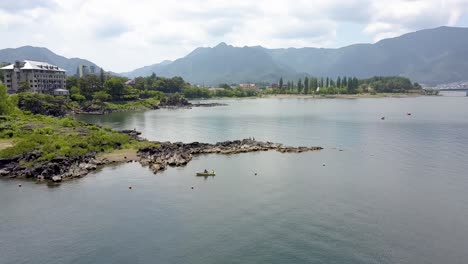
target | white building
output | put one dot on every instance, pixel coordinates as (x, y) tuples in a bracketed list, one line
[(41, 77)]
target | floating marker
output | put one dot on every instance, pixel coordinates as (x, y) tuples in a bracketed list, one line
[(19, 185), (129, 187)]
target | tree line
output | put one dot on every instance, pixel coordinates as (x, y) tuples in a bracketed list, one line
[(103, 89), (346, 85), (93, 88)]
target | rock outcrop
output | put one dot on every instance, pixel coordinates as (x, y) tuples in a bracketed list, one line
[(59, 167), (158, 158), (179, 154)]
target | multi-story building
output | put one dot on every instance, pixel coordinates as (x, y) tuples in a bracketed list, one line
[(82, 71), (39, 76)]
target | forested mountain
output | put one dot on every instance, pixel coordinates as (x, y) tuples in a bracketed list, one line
[(430, 56), (45, 55)]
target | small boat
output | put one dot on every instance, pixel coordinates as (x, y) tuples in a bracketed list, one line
[(382, 118), (408, 113), (205, 174)]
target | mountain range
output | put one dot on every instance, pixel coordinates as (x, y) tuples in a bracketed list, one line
[(430, 56), (45, 55)]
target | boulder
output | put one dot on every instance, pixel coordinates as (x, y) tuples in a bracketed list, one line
[(56, 178)]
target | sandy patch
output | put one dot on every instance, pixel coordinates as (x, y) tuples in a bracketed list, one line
[(6, 143), (121, 155)]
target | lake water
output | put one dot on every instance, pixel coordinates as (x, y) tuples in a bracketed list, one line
[(396, 193)]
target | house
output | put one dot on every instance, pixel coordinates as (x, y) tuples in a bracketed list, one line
[(36, 76), (130, 83), (61, 92), (247, 85)]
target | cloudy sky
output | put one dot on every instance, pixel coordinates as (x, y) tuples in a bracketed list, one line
[(125, 34)]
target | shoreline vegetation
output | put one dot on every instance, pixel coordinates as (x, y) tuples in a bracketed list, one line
[(38, 141), (55, 149), (93, 94)]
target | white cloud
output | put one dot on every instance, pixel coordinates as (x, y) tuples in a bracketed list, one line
[(125, 34)]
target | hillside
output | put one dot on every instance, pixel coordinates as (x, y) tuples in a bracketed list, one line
[(43, 54)]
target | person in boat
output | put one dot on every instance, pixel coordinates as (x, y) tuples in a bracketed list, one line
[(212, 172), (206, 171)]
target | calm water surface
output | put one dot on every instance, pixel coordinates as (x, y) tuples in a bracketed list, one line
[(397, 193)]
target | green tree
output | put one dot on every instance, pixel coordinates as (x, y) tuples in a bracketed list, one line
[(345, 82), (306, 85), (75, 94), (102, 77), (338, 82), (101, 96), (115, 87), (353, 84), (4, 107), (299, 86), (72, 81), (281, 84), (224, 86), (24, 87), (88, 85), (314, 84)]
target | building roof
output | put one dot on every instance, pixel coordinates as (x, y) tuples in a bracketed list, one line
[(129, 82), (35, 65)]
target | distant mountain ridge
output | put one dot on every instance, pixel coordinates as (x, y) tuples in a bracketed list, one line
[(146, 70), (431, 56), (43, 54)]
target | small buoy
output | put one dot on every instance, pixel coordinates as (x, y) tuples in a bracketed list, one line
[(408, 113), (382, 118), (19, 185), (192, 187), (125, 157), (323, 165), (129, 187), (255, 173)]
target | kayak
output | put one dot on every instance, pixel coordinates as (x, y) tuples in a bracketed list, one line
[(206, 174)]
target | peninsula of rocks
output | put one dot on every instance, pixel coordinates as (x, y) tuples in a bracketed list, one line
[(158, 158)]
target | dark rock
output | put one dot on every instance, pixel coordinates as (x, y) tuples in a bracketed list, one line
[(179, 154)]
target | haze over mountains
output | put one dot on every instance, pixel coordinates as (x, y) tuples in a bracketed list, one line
[(432, 56)]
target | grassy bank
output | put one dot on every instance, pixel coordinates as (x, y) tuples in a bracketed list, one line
[(51, 137), (120, 106)]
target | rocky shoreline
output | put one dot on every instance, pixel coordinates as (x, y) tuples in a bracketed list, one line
[(193, 105), (180, 105), (157, 158), (179, 154)]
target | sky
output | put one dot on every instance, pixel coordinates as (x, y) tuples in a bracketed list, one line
[(127, 34)]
